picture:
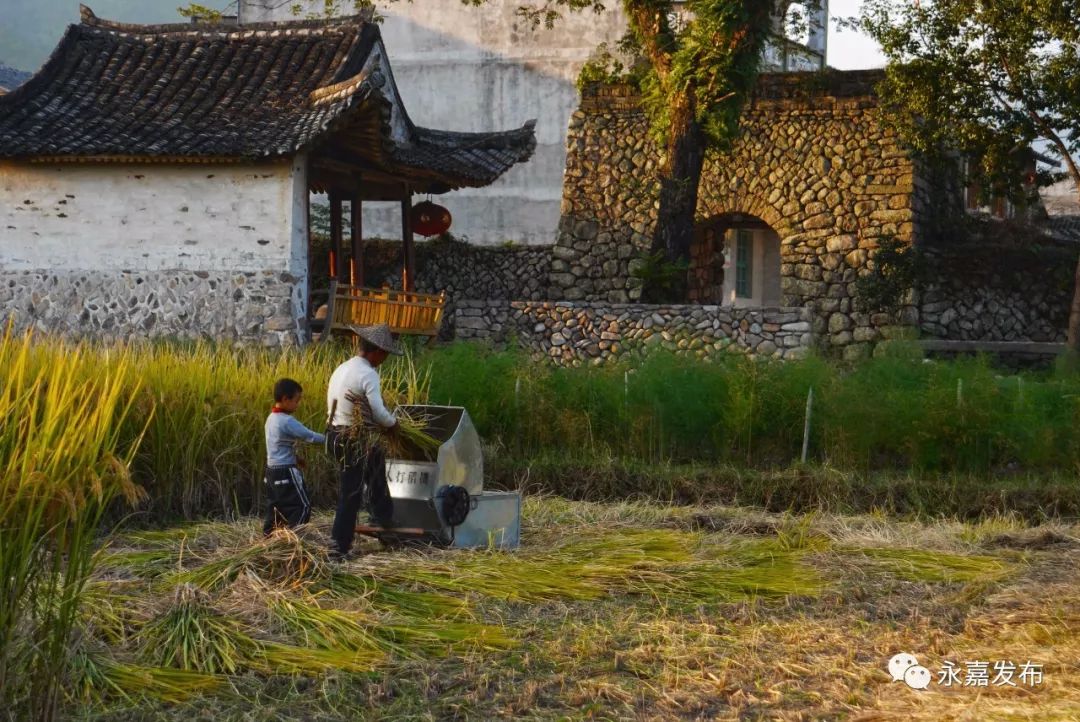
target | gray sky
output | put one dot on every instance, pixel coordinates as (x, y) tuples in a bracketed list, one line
[(30, 29)]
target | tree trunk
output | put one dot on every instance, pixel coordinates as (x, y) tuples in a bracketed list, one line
[(678, 197), (1072, 339)]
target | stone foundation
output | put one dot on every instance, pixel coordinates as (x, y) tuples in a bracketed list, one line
[(250, 307), (574, 333)]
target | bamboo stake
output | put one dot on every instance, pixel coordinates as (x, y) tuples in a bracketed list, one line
[(806, 423)]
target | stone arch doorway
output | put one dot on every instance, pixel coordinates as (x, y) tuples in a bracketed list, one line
[(735, 261)]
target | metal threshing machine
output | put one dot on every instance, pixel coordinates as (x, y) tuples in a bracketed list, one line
[(442, 501)]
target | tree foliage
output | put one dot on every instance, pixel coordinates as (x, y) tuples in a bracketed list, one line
[(200, 12), (987, 79), (897, 268)]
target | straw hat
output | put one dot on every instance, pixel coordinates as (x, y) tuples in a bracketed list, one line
[(378, 335)]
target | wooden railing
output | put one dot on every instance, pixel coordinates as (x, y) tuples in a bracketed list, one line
[(405, 312)]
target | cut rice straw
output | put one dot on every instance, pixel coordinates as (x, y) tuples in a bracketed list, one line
[(408, 440)]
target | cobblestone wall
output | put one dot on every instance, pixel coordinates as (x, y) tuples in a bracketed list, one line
[(463, 270), (252, 306), (578, 332), (996, 294), (814, 162)]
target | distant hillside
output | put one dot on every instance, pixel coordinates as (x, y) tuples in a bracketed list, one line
[(11, 78)]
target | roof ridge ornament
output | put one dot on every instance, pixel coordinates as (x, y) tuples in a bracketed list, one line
[(372, 78), (88, 18)]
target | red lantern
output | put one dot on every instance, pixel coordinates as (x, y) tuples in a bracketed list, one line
[(429, 219)]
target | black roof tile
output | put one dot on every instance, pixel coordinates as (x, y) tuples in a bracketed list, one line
[(221, 90)]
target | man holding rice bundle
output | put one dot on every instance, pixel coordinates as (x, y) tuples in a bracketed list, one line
[(362, 465)]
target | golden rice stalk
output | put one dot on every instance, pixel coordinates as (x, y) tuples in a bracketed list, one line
[(437, 638), (288, 560), (192, 635), (287, 659), (147, 563), (96, 676), (409, 440), (918, 565), (107, 614), (657, 563), (403, 381), (316, 626)]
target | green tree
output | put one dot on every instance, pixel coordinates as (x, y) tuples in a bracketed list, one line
[(200, 12), (985, 79)]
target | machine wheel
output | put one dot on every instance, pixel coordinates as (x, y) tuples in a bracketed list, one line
[(455, 504)]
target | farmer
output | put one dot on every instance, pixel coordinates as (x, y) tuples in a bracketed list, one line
[(287, 498), (363, 466)]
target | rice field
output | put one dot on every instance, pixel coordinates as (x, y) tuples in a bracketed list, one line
[(636, 611), (928, 521)]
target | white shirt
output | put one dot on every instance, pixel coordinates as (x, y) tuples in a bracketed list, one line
[(357, 376)]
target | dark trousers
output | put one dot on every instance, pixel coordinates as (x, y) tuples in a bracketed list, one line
[(286, 498), (362, 486)]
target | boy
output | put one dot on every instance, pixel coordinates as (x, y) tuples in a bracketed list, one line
[(287, 499)]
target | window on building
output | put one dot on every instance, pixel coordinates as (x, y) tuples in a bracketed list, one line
[(744, 254)]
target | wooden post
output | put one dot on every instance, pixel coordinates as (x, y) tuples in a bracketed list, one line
[(356, 263), (335, 235), (408, 273), (309, 312)]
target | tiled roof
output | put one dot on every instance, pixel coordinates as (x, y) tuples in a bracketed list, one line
[(112, 90)]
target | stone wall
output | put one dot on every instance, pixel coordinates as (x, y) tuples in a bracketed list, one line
[(244, 306), (462, 269), (574, 333), (990, 293), (134, 250), (814, 162)]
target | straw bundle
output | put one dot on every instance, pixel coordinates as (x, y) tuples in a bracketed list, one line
[(192, 635), (407, 440)]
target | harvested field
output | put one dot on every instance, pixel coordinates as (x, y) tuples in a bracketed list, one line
[(608, 611)]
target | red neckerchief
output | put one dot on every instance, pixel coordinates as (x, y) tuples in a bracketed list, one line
[(278, 410)]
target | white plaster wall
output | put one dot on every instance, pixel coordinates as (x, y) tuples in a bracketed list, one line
[(299, 257), (482, 69), (764, 271), (146, 217)]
